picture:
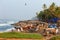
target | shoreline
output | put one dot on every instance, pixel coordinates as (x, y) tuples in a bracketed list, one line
[(8, 30)]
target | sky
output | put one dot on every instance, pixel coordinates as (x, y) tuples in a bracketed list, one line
[(17, 10)]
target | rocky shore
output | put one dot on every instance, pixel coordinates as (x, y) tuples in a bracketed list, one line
[(30, 25), (36, 26)]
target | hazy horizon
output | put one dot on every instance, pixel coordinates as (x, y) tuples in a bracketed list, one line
[(22, 9)]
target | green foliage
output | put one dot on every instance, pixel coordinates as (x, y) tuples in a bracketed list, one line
[(20, 35), (55, 38), (51, 12)]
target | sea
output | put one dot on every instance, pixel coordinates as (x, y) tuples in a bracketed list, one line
[(5, 25)]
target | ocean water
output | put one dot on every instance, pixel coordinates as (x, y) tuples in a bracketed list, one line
[(6, 28), (5, 25)]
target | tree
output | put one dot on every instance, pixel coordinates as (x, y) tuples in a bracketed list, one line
[(44, 6), (52, 7), (49, 13), (57, 12)]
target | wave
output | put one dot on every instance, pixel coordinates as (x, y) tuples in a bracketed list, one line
[(8, 23), (3, 24), (7, 30)]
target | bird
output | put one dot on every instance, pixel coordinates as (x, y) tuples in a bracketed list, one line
[(25, 4)]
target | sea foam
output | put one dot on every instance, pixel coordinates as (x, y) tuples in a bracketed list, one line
[(7, 23)]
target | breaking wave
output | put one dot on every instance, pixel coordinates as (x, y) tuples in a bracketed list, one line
[(7, 30), (7, 23), (6, 27)]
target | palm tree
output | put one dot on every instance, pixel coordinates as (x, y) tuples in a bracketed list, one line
[(49, 13), (57, 12), (52, 7), (44, 6)]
